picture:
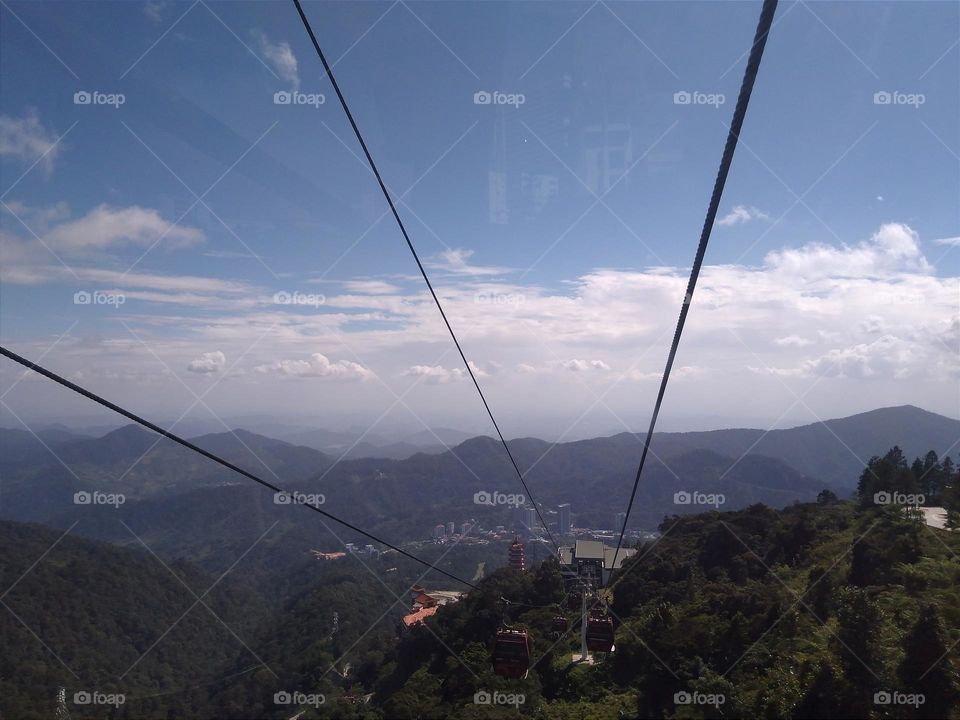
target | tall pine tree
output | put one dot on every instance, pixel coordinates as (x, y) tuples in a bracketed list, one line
[(926, 667)]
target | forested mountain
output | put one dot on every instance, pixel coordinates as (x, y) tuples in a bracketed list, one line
[(807, 612), (84, 615), (41, 477), (818, 610), (184, 505), (835, 450)]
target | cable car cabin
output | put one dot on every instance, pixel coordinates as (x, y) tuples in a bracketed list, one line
[(574, 600), (599, 634), (511, 653), (558, 626)]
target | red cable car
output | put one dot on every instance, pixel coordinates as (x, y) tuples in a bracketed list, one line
[(511, 653), (599, 634)]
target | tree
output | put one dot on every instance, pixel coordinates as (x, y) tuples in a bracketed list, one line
[(821, 589), (822, 698), (917, 468), (548, 583), (889, 474), (928, 474), (926, 667), (951, 492), (859, 649), (826, 497)]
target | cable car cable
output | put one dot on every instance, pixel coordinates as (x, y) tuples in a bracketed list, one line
[(416, 257), (216, 458), (733, 134)]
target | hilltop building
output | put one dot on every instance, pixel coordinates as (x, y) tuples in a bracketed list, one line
[(564, 525), (619, 522), (426, 604), (593, 560), (530, 519)]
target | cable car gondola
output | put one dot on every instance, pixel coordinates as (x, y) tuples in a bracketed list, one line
[(558, 626), (600, 633), (511, 653)]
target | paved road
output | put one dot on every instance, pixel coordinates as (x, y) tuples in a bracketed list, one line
[(935, 517)]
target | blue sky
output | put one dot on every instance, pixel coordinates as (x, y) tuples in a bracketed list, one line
[(559, 228)]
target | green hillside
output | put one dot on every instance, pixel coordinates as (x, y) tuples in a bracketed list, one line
[(829, 609)]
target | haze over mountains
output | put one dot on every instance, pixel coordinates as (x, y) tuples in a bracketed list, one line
[(42, 472)]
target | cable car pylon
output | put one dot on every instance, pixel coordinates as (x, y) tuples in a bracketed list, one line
[(584, 654)]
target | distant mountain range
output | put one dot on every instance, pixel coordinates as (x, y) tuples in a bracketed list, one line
[(41, 472), (350, 442), (357, 444), (182, 497)]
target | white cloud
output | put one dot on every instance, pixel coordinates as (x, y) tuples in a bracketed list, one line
[(208, 363), (154, 10), (872, 324), (873, 314), (435, 374), (281, 58), (887, 356), (27, 140), (791, 341), (105, 226), (952, 241), (370, 287), (456, 261), (893, 249), (38, 218), (742, 214), (678, 373), (319, 365), (231, 254), (577, 365), (439, 375)]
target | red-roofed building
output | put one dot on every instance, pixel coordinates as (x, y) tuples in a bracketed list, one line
[(419, 616), (424, 600)]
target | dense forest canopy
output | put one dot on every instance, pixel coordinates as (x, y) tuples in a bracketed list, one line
[(826, 609)]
